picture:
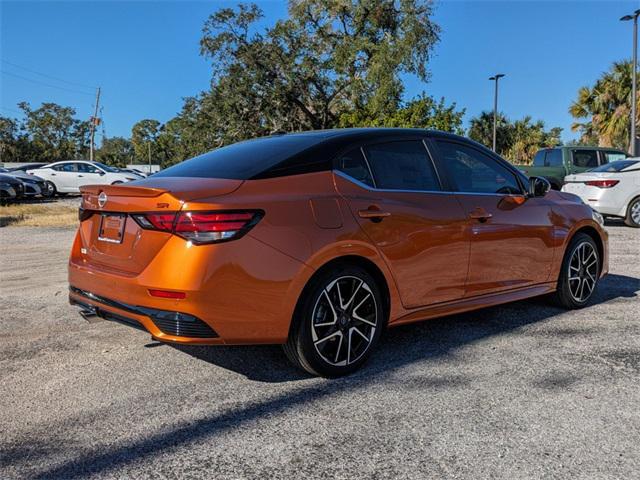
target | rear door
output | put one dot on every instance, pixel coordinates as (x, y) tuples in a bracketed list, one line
[(65, 177), (395, 194), (511, 235)]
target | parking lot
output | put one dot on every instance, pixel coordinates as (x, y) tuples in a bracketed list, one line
[(523, 390)]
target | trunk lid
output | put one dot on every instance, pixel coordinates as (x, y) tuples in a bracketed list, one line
[(112, 240)]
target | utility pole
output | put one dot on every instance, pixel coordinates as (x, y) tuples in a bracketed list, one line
[(634, 67), (149, 150), (495, 108), (94, 121)]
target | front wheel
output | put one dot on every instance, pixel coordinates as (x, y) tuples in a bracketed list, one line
[(337, 323), (580, 272), (633, 214), (49, 189)]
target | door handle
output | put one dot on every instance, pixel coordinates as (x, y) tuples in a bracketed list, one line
[(373, 213), (53, 174), (480, 214), (79, 176)]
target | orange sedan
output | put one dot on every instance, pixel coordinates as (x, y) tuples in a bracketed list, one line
[(320, 240)]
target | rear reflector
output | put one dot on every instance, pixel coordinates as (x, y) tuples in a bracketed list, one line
[(602, 183), (167, 294), (202, 227)]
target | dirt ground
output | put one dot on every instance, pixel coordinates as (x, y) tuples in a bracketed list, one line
[(525, 390)]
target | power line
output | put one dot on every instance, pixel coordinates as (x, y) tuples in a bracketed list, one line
[(47, 75), (45, 84)]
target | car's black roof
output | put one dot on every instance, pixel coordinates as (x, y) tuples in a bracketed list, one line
[(319, 156), (372, 132)]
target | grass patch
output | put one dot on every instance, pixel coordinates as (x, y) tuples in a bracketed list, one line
[(33, 215)]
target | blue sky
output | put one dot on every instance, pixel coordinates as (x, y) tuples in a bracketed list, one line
[(145, 55)]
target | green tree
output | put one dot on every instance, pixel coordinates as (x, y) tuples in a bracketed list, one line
[(116, 151), (9, 139), (481, 130), (328, 58), (54, 133), (144, 135), (420, 112), (603, 111), (526, 138), (516, 141)]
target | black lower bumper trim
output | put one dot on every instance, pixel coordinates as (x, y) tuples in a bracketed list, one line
[(171, 323)]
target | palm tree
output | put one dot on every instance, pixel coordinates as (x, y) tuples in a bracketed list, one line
[(602, 111)]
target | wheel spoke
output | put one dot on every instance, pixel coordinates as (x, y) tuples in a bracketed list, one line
[(322, 340), (344, 307), (333, 311)]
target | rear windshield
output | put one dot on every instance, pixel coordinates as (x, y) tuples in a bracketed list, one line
[(244, 160), (616, 166)]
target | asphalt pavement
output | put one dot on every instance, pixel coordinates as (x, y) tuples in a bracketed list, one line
[(525, 390)]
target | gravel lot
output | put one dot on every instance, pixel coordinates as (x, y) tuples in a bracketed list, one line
[(521, 391)]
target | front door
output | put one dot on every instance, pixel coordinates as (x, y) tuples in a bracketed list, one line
[(395, 195), (511, 235)]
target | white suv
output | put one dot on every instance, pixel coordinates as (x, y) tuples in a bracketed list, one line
[(69, 176)]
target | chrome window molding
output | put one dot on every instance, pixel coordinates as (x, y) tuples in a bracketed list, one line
[(448, 192)]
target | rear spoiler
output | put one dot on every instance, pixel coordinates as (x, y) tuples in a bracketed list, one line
[(122, 190)]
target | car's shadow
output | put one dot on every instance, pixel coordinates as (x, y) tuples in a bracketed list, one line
[(402, 346), (409, 343)]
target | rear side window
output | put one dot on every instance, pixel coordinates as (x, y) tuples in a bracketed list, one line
[(613, 156), (585, 158), (354, 165), (538, 160), (402, 166), (553, 158), (472, 171), (244, 160), (66, 167)]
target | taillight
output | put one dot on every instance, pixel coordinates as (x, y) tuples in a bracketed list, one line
[(602, 183), (202, 227)]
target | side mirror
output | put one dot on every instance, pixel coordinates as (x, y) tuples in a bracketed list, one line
[(101, 173), (538, 186)]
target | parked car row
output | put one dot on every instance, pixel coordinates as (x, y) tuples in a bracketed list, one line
[(47, 180)]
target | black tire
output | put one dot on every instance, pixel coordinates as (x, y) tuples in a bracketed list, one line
[(318, 334), (50, 191), (579, 275), (633, 214)]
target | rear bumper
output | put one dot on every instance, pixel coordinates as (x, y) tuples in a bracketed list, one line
[(244, 291), (163, 325)]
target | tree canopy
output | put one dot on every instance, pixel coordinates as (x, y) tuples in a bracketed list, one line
[(516, 141), (603, 111)]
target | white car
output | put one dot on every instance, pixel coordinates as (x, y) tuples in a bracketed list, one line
[(68, 176), (613, 189)]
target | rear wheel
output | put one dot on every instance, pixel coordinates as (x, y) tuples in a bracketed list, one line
[(337, 323), (580, 272), (633, 213)]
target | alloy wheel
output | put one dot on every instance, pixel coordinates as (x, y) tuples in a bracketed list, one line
[(635, 212), (344, 321), (583, 271)]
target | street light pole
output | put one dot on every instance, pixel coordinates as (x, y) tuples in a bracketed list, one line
[(634, 65), (495, 107)]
